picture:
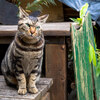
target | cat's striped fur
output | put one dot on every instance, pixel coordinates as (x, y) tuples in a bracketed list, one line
[(23, 60)]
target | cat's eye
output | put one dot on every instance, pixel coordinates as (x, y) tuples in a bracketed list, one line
[(28, 24), (37, 27)]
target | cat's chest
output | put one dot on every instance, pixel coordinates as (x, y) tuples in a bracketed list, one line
[(30, 60), (30, 56)]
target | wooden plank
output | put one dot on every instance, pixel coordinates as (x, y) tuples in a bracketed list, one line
[(55, 61), (6, 39), (9, 93), (7, 32), (49, 29), (83, 70), (11, 99), (46, 96), (91, 37)]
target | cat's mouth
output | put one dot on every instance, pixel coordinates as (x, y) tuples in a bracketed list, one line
[(32, 31)]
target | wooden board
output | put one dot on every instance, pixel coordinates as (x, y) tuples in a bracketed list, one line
[(83, 70), (55, 61), (46, 96), (49, 29), (8, 93), (96, 79), (7, 32), (6, 39)]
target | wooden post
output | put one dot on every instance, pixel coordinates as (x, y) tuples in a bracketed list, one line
[(55, 59), (46, 96), (9, 93), (83, 69), (96, 79)]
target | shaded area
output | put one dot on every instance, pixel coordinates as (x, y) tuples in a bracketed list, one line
[(3, 48), (8, 13)]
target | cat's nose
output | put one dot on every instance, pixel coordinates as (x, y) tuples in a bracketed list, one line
[(32, 30)]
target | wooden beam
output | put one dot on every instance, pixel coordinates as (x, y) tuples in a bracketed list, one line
[(9, 93), (46, 96), (49, 29), (83, 70), (55, 59)]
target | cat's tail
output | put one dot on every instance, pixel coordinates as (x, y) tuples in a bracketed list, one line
[(9, 77)]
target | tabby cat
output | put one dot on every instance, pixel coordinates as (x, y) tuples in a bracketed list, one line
[(22, 63)]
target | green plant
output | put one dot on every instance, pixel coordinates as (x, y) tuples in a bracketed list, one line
[(92, 55), (37, 4), (18, 3), (98, 60), (92, 52), (81, 15)]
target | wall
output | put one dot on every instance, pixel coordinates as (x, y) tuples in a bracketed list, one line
[(55, 11)]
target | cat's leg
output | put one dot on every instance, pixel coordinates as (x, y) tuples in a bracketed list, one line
[(21, 83), (32, 83), (34, 77)]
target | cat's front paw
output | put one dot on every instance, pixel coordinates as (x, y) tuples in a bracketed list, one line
[(33, 90), (22, 91)]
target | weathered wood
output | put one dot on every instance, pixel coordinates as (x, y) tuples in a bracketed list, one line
[(80, 40), (83, 68), (49, 29), (7, 32), (91, 38), (55, 61), (11, 99), (6, 39), (46, 96), (9, 93)]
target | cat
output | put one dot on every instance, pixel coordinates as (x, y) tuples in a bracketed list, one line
[(22, 63)]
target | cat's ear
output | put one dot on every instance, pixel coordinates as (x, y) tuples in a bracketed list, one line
[(22, 13), (43, 19)]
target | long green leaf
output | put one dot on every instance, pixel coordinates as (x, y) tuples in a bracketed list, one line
[(37, 4), (98, 69), (75, 20), (79, 20), (94, 58), (92, 55), (90, 52), (83, 10)]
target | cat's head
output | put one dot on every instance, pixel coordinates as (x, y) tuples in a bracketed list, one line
[(29, 25)]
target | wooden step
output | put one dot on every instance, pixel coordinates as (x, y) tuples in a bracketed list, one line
[(9, 93)]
